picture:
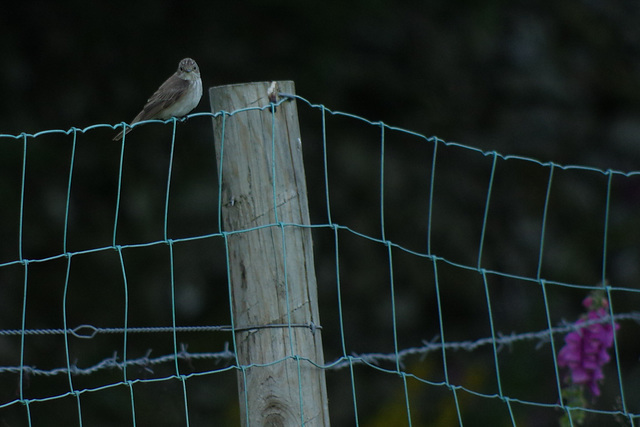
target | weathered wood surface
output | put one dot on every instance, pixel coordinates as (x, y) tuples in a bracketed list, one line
[(272, 272)]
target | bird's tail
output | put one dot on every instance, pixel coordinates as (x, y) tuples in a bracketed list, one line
[(119, 135)]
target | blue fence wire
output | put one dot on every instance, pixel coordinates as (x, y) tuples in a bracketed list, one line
[(432, 373)]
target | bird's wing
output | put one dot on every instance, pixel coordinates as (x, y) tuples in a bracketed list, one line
[(170, 92)]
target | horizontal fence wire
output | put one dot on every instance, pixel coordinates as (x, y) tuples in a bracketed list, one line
[(88, 332), (183, 365)]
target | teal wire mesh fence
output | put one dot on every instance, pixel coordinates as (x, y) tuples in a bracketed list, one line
[(449, 278)]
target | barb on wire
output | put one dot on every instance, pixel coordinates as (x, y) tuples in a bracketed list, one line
[(226, 355)]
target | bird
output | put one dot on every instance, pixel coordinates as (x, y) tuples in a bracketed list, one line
[(176, 97)]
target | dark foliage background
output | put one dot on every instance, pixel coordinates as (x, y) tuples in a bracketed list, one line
[(556, 81)]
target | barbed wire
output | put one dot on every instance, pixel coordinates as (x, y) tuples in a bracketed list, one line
[(116, 362)]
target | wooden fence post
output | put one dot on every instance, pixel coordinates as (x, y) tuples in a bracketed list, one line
[(272, 275)]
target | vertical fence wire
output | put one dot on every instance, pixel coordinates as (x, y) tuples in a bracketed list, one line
[(400, 358)]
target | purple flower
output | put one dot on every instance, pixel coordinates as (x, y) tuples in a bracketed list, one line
[(585, 349)]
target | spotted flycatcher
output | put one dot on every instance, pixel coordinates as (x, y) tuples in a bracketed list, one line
[(176, 97)]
